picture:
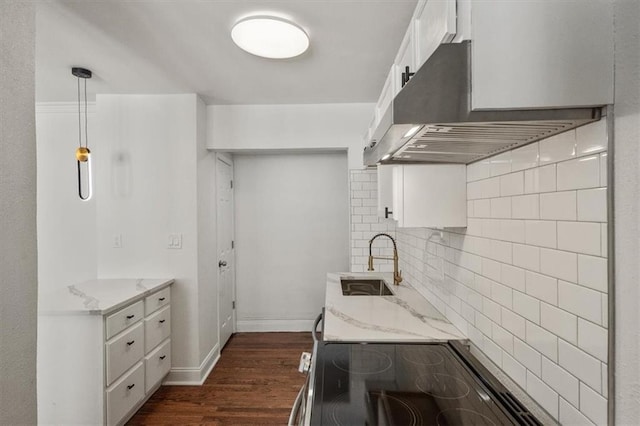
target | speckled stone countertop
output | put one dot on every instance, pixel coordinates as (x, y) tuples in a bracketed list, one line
[(98, 297), (404, 317)]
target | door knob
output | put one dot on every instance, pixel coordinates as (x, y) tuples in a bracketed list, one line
[(222, 263)]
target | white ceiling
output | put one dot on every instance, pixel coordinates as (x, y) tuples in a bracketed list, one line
[(182, 46)]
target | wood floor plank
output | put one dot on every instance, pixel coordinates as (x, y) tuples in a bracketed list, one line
[(255, 382)]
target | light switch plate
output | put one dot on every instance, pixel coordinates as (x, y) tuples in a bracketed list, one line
[(175, 241), (117, 241)]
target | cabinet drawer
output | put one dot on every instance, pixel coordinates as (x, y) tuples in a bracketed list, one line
[(157, 327), (125, 394), (157, 300), (123, 351), (157, 364), (124, 318)]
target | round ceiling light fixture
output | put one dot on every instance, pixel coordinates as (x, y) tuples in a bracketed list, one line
[(270, 37)]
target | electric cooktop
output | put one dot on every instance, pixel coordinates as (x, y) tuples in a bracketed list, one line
[(408, 384)]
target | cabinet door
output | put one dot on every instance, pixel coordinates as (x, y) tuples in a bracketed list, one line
[(385, 191), (430, 195), (539, 53), (405, 58), (435, 22), (385, 99)]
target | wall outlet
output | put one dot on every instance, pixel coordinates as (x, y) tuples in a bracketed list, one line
[(175, 241), (117, 241)]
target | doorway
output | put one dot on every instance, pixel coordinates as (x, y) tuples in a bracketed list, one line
[(225, 248)]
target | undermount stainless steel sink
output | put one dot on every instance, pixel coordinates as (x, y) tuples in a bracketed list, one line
[(364, 287)]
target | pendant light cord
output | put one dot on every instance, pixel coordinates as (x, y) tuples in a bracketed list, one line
[(86, 134), (79, 116)]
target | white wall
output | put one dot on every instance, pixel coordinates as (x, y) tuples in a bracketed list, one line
[(627, 211), (18, 247), (147, 161), (207, 248), (526, 281), (291, 229), (67, 228), (312, 127)]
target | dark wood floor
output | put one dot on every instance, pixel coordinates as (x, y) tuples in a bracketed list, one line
[(255, 382)]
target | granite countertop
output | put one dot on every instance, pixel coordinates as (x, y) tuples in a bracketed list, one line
[(98, 297), (404, 317)]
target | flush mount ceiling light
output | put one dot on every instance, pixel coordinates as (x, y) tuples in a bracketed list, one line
[(270, 37)]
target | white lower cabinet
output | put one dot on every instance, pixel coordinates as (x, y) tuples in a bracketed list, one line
[(125, 394), (100, 368)]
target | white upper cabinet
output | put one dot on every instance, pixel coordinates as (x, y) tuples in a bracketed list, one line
[(385, 191), (430, 195), (434, 23), (389, 91), (540, 53), (405, 59)]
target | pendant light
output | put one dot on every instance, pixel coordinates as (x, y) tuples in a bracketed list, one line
[(83, 154)]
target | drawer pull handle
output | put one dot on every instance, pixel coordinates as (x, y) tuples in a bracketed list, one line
[(131, 386), (161, 321), (163, 357), (131, 343), (130, 316), (161, 299)]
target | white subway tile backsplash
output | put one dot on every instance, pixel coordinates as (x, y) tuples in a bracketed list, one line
[(525, 157), (502, 337), (561, 381), (542, 340), (501, 164), (482, 208), (558, 148), (512, 276), (542, 287), (592, 205), (513, 323), (541, 233), (483, 323), (571, 416), (592, 138), (559, 322), (593, 405), (526, 257), (558, 206), (512, 184), (580, 364), (540, 179), (543, 394), (515, 370), (527, 306), (479, 170), (501, 208), (579, 173), (592, 272), (491, 269), (525, 206), (579, 237), (512, 230), (492, 310), (527, 356), (591, 339), (584, 302), (502, 294), (527, 279), (559, 264), (603, 169)]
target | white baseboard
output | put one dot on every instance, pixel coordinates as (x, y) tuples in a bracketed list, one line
[(194, 376), (273, 325)]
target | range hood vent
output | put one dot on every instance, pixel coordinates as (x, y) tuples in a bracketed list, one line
[(430, 120)]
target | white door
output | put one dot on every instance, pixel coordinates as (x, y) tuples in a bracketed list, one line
[(225, 260)]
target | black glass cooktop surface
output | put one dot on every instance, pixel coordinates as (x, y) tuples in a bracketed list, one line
[(399, 384)]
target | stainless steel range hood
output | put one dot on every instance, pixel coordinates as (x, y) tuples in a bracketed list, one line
[(430, 119)]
